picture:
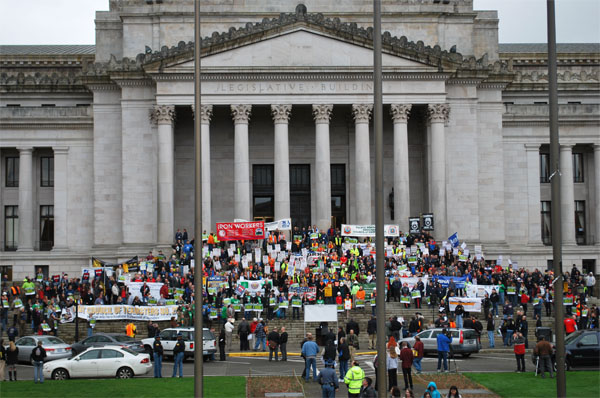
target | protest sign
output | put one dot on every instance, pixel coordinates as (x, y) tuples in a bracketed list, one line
[(129, 312), (471, 304), (368, 230), (241, 231)]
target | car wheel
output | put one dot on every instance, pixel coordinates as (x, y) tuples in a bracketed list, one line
[(60, 374), (124, 373), (466, 355)]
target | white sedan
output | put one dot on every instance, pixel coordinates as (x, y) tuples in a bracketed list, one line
[(108, 361)]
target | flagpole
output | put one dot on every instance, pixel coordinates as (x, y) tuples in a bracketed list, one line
[(198, 327)]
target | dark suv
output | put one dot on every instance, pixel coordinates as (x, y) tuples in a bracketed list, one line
[(582, 348)]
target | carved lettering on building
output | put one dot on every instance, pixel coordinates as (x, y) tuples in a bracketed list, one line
[(294, 88)]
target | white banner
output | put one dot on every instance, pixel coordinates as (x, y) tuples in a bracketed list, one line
[(471, 304), (129, 312), (282, 225), (369, 230), (134, 289), (480, 290), (320, 313)]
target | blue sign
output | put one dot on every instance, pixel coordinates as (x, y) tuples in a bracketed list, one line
[(454, 240)]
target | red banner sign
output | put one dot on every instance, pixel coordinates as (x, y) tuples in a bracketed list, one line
[(241, 230)]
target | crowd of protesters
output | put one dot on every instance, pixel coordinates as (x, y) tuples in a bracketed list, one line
[(338, 270)]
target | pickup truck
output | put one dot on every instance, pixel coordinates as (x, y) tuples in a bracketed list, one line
[(168, 338)]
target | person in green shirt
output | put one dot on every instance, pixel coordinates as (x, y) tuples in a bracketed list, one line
[(354, 380), (29, 288)]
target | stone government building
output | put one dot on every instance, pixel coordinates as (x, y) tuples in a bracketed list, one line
[(96, 142)]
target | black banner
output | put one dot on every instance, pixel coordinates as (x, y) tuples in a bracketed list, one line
[(414, 225), (428, 222)]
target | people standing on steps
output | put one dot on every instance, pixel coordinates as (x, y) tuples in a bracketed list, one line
[(157, 350)]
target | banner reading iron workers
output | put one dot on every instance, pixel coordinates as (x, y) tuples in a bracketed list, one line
[(241, 230), (369, 230)]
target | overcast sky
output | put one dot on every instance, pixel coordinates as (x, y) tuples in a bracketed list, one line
[(72, 21)]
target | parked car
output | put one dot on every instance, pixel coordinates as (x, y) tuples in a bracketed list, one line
[(583, 348), (55, 348), (108, 361), (104, 339), (168, 338), (464, 341)]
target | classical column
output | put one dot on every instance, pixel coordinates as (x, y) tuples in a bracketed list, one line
[(60, 198), (241, 162), (206, 115), (533, 194), (438, 116), (163, 116), (322, 114), (281, 117), (362, 166), (400, 113), (25, 243), (567, 195), (597, 189)]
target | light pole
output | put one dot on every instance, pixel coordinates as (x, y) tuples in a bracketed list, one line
[(561, 384), (379, 236), (198, 329)]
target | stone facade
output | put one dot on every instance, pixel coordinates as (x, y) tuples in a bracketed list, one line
[(289, 86)]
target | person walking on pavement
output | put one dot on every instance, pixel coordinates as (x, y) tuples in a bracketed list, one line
[(37, 357), (420, 349), (310, 349), (178, 354), (229, 333), (444, 340), (273, 339), (157, 349), (328, 380), (519, 348), (222, 343), (543, 350), (354, 380), (372, 332), (260, 335), (283, 339), (406, 356), (392, 367), (344, 355)]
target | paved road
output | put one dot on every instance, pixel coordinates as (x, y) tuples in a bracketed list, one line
[(260, 366)]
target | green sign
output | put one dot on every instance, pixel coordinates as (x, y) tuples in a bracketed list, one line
[(272, 301), (320, 302), (258, 307), (18, 303), (405, 299), (213, 313), (415, 294), (567, 300), (359, 304), (340, 308), (511, 290), (284, 304), (237, 307), (297, 303)]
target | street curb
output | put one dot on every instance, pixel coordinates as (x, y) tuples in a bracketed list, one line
[(289, 354)]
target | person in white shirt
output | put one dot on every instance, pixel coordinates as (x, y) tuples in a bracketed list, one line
[(229, 332), (590, 282)]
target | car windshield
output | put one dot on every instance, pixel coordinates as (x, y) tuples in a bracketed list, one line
[(124, 339), (50, 340), (207, 335), (127, 350), (569, 339)]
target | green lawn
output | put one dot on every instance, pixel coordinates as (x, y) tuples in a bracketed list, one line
[(214, 387), (580, 384)]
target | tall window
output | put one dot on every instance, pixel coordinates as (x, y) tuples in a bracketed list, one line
[(11, 227), (580, 222), (546, 223), (338, 194), (6, 273), (12, 172), (578, 167), (262, 192), (46, 227), (47, 171), (300, 195), (544, 167)]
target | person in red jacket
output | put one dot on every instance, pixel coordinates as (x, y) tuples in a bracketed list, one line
[(420, 349), (406, 356), (519, 348), (570, 324), (524, 301)]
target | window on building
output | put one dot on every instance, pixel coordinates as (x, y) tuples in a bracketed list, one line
[(300, 195), (6, 273), (263, 192), (580, 222), (47, 171), (41, 271), (46, 227), (11, 227), (546, 214), (338, 195), (578, 167), (12, 171), (544, 167)]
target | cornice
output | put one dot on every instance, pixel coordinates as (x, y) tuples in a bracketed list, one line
[(299, 76), (49, 126)]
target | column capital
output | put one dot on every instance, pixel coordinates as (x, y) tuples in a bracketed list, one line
[(322, 113), (241, 113), (281, 113), (438, 113), (400, 112), (566, 147), (597, 148), (206, 112), (532, 147), (162, 114), (60, 150), (362, 112), (25, 149)]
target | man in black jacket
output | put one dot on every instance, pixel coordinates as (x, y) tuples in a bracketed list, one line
[(178, 354), (37, 357), (157, 348), (283, 338), (372, 332), (243, 332), (352, 325), (273, 342)]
